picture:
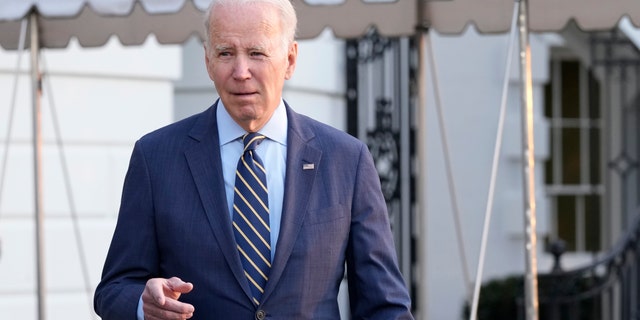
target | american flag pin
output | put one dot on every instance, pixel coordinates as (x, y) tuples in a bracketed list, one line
[(308, 166)]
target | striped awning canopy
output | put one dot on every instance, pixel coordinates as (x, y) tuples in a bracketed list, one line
[(93, 22)]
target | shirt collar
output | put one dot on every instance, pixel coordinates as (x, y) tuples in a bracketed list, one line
[(275, 129)]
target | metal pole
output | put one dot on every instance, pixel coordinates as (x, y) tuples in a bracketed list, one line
[(421, 184), (36, 91), (531, 272), (421, 140), (422, 29)]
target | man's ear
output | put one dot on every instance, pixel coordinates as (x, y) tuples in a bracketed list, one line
[(292, 57)]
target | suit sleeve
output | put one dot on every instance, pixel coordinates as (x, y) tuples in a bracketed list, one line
[(376, 287), (133, 254)]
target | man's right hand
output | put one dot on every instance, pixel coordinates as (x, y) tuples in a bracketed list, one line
[(160, 299)]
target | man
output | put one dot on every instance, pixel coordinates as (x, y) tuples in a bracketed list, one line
[(181, 248)]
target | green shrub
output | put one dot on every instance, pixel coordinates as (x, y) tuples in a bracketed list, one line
[(502, 299)]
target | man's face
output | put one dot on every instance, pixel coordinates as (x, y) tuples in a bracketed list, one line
[(247, 61)]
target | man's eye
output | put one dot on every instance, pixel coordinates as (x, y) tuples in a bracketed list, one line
[(257, 54)]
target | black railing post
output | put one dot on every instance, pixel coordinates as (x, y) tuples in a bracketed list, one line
[(557, 248), (636, 310)]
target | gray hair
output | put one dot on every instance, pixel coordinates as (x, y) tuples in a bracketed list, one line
[(288, 19)]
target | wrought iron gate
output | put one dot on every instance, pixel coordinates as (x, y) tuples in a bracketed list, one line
[(380, 102)]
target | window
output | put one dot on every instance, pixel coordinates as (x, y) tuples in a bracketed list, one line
[(572, 172)]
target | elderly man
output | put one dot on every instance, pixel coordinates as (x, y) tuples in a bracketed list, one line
[(248, 209)]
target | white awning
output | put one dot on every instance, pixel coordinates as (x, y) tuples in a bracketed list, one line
[(93, 22), (491, 16)]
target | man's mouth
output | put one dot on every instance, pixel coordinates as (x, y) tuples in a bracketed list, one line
[(243, 93)]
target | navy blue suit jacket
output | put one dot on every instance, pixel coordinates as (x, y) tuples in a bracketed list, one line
[(173, 221)]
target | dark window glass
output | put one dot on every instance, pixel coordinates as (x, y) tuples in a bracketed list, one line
[(570, 156), (594, 97), (548, 164), (566, 219), (570, 89), (592, 223), (594, 155), (548, 100)]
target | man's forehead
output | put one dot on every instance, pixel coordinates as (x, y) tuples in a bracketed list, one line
[(238, 41)]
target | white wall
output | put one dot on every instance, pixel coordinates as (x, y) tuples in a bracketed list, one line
[(471, 69), (104, 99)]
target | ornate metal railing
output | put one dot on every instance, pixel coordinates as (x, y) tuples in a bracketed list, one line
[(608, 289), (380, 77)]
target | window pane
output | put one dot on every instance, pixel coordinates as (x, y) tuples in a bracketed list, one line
[(548, 113), (592, 223), (570, 89), (594, 155), (594, 97), (548, 164), (570, 156), (566, 219), (548, 98)]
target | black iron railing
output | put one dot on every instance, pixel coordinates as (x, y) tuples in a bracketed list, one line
[(608, 289)]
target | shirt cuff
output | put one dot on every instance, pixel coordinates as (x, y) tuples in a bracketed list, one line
[(140, 313)]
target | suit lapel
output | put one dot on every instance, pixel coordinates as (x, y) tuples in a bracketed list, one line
[(205, 164), (206, 168), (302, 162)]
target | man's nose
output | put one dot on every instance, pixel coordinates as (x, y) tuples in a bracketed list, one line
[(241, 68)]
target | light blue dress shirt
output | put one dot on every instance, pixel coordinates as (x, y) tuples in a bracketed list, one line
[(272, 151)]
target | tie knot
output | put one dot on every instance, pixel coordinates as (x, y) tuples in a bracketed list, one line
[(251, 140)]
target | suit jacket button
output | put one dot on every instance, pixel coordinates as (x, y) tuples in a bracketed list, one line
[(261, 315)]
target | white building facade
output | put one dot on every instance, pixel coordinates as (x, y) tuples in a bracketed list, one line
[(106, 98)]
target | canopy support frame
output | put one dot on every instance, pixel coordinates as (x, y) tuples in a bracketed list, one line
[(526, 89), (36, 92)]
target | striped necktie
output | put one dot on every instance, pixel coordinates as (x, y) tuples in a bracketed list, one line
[(251, 216)]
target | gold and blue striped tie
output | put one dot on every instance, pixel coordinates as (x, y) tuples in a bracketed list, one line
[(251, 216)]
